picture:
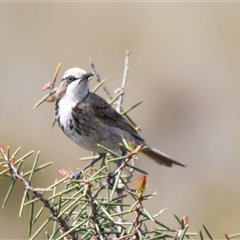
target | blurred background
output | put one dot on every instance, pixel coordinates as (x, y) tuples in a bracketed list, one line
[(184, 66)]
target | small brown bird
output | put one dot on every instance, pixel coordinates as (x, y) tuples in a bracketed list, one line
[(88, 120)]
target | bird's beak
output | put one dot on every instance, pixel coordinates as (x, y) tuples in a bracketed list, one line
[(87, 75)]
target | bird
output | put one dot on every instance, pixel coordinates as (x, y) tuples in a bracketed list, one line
[(89, 120)]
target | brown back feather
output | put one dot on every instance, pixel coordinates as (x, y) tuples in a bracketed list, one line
[(107, 114)]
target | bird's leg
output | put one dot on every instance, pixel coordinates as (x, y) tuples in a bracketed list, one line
[(111, 175), (78, 174), (119, 163)]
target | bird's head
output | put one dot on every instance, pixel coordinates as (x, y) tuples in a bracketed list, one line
[(74, 84)]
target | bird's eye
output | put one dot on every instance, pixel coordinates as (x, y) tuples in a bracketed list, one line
[(71, 78)]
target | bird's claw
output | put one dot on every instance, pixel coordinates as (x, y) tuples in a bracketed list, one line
[(76, 176)]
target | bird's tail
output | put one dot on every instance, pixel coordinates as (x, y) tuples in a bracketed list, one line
[(160, 157)]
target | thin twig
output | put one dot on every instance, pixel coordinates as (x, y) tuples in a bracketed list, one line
[(27, 186), (121, 89), (51, 96), (99, 79), (51, 85), (124, 81)]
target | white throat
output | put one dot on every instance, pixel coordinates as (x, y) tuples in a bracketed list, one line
[(77, 91)]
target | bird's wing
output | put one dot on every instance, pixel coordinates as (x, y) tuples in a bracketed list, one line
[(107, 114)]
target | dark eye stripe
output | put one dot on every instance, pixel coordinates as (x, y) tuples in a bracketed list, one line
[(71, 78)]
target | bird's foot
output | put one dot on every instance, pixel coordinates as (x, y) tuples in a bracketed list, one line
[(76, 176)]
